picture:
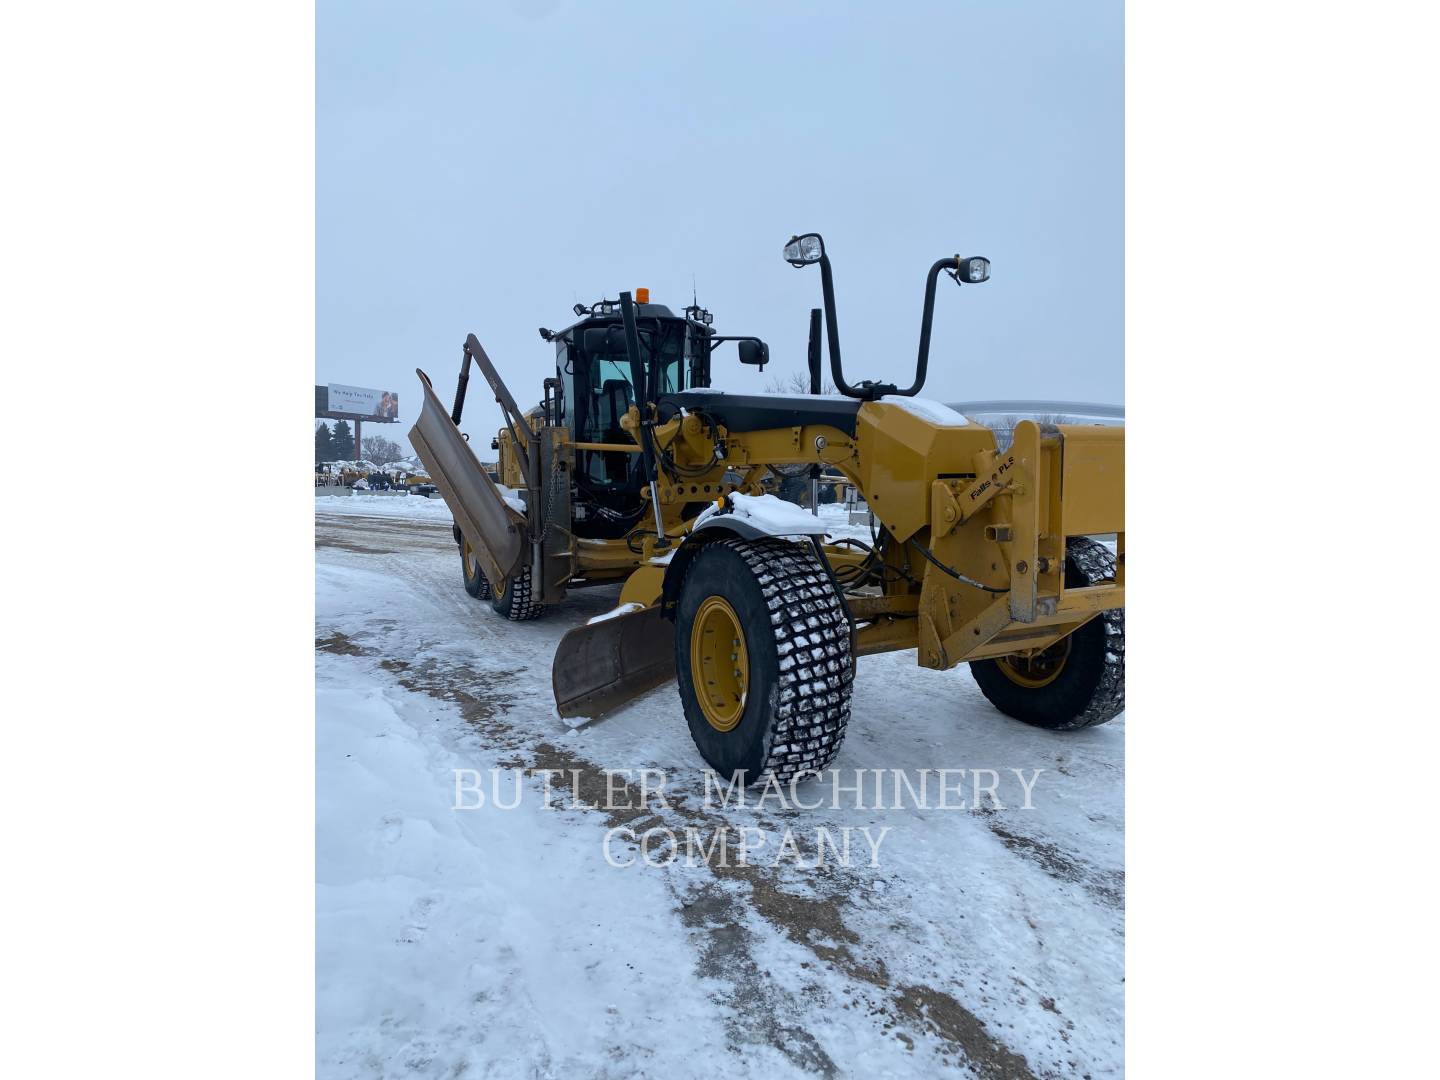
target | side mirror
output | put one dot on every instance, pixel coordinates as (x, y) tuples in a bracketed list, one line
[(804, 250), (754, 352)]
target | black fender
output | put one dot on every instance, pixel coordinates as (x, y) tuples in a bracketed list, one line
[(679, 564)]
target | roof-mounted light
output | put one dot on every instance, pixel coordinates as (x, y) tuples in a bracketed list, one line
[(971, 271), (804, 250)]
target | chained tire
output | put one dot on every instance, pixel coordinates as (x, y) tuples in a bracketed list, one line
[(764, 658), (515, 599), (1079, 681), (476, 583)]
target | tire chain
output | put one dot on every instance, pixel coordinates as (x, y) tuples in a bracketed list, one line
[(1097, 563), (813, 646), (519, 592)]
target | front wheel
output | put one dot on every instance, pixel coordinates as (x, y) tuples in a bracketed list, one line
[(764, 659), (515, 598), (1080, 680)]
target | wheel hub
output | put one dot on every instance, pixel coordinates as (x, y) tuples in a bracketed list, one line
[(719, 663), (1036, 669)]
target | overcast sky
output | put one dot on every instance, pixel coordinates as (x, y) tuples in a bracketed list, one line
[(483, 166)]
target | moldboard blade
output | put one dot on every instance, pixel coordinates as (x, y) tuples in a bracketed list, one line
[(603, 666)]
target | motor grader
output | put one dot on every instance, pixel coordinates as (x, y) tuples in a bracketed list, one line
[(633, 470)]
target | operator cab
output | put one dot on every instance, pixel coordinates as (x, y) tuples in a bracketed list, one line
[(598, 384)]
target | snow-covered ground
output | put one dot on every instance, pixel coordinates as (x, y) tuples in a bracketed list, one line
[(501, 942), (386, 505)]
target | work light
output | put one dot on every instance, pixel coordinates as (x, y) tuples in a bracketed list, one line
[(804, 250), (974, 270)]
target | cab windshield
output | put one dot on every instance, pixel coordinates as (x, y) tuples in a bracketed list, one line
[(612, 389), (607, 394)]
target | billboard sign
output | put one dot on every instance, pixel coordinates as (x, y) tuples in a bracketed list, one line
[(361, 401)]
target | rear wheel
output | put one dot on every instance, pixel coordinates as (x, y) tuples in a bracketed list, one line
[(764, 659), (1077, 682), (515, 598), (475, 583)]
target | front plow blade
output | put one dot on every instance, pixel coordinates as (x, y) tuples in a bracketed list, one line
[(603, 666)]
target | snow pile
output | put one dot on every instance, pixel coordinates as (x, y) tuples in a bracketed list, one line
[(512, 498), (410, 506), (931, 411), (335, 468), (766, 513), (407, 467), (836, 520)]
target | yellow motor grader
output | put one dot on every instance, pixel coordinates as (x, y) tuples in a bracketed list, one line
[(634, 470)]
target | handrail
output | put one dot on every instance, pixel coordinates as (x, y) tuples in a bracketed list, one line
[(869, 390)]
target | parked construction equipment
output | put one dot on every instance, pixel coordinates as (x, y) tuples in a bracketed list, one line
[(633, 470)]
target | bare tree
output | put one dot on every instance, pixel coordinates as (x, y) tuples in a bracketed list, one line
[(796, 382), (380, 450)]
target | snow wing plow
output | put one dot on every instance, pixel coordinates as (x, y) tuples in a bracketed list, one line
[(491, 527), (635, 471)]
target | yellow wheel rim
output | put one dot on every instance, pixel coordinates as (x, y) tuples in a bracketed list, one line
[(472, 565), (1037, 669), (719, 665)]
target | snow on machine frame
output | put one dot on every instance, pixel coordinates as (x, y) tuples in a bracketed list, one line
[(634, 470)]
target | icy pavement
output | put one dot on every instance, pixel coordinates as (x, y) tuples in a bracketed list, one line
[(501, 942)]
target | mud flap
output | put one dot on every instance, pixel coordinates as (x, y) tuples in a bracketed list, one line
[(603, 666)]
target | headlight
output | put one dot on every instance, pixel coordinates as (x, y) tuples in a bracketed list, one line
[(804, 250)]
